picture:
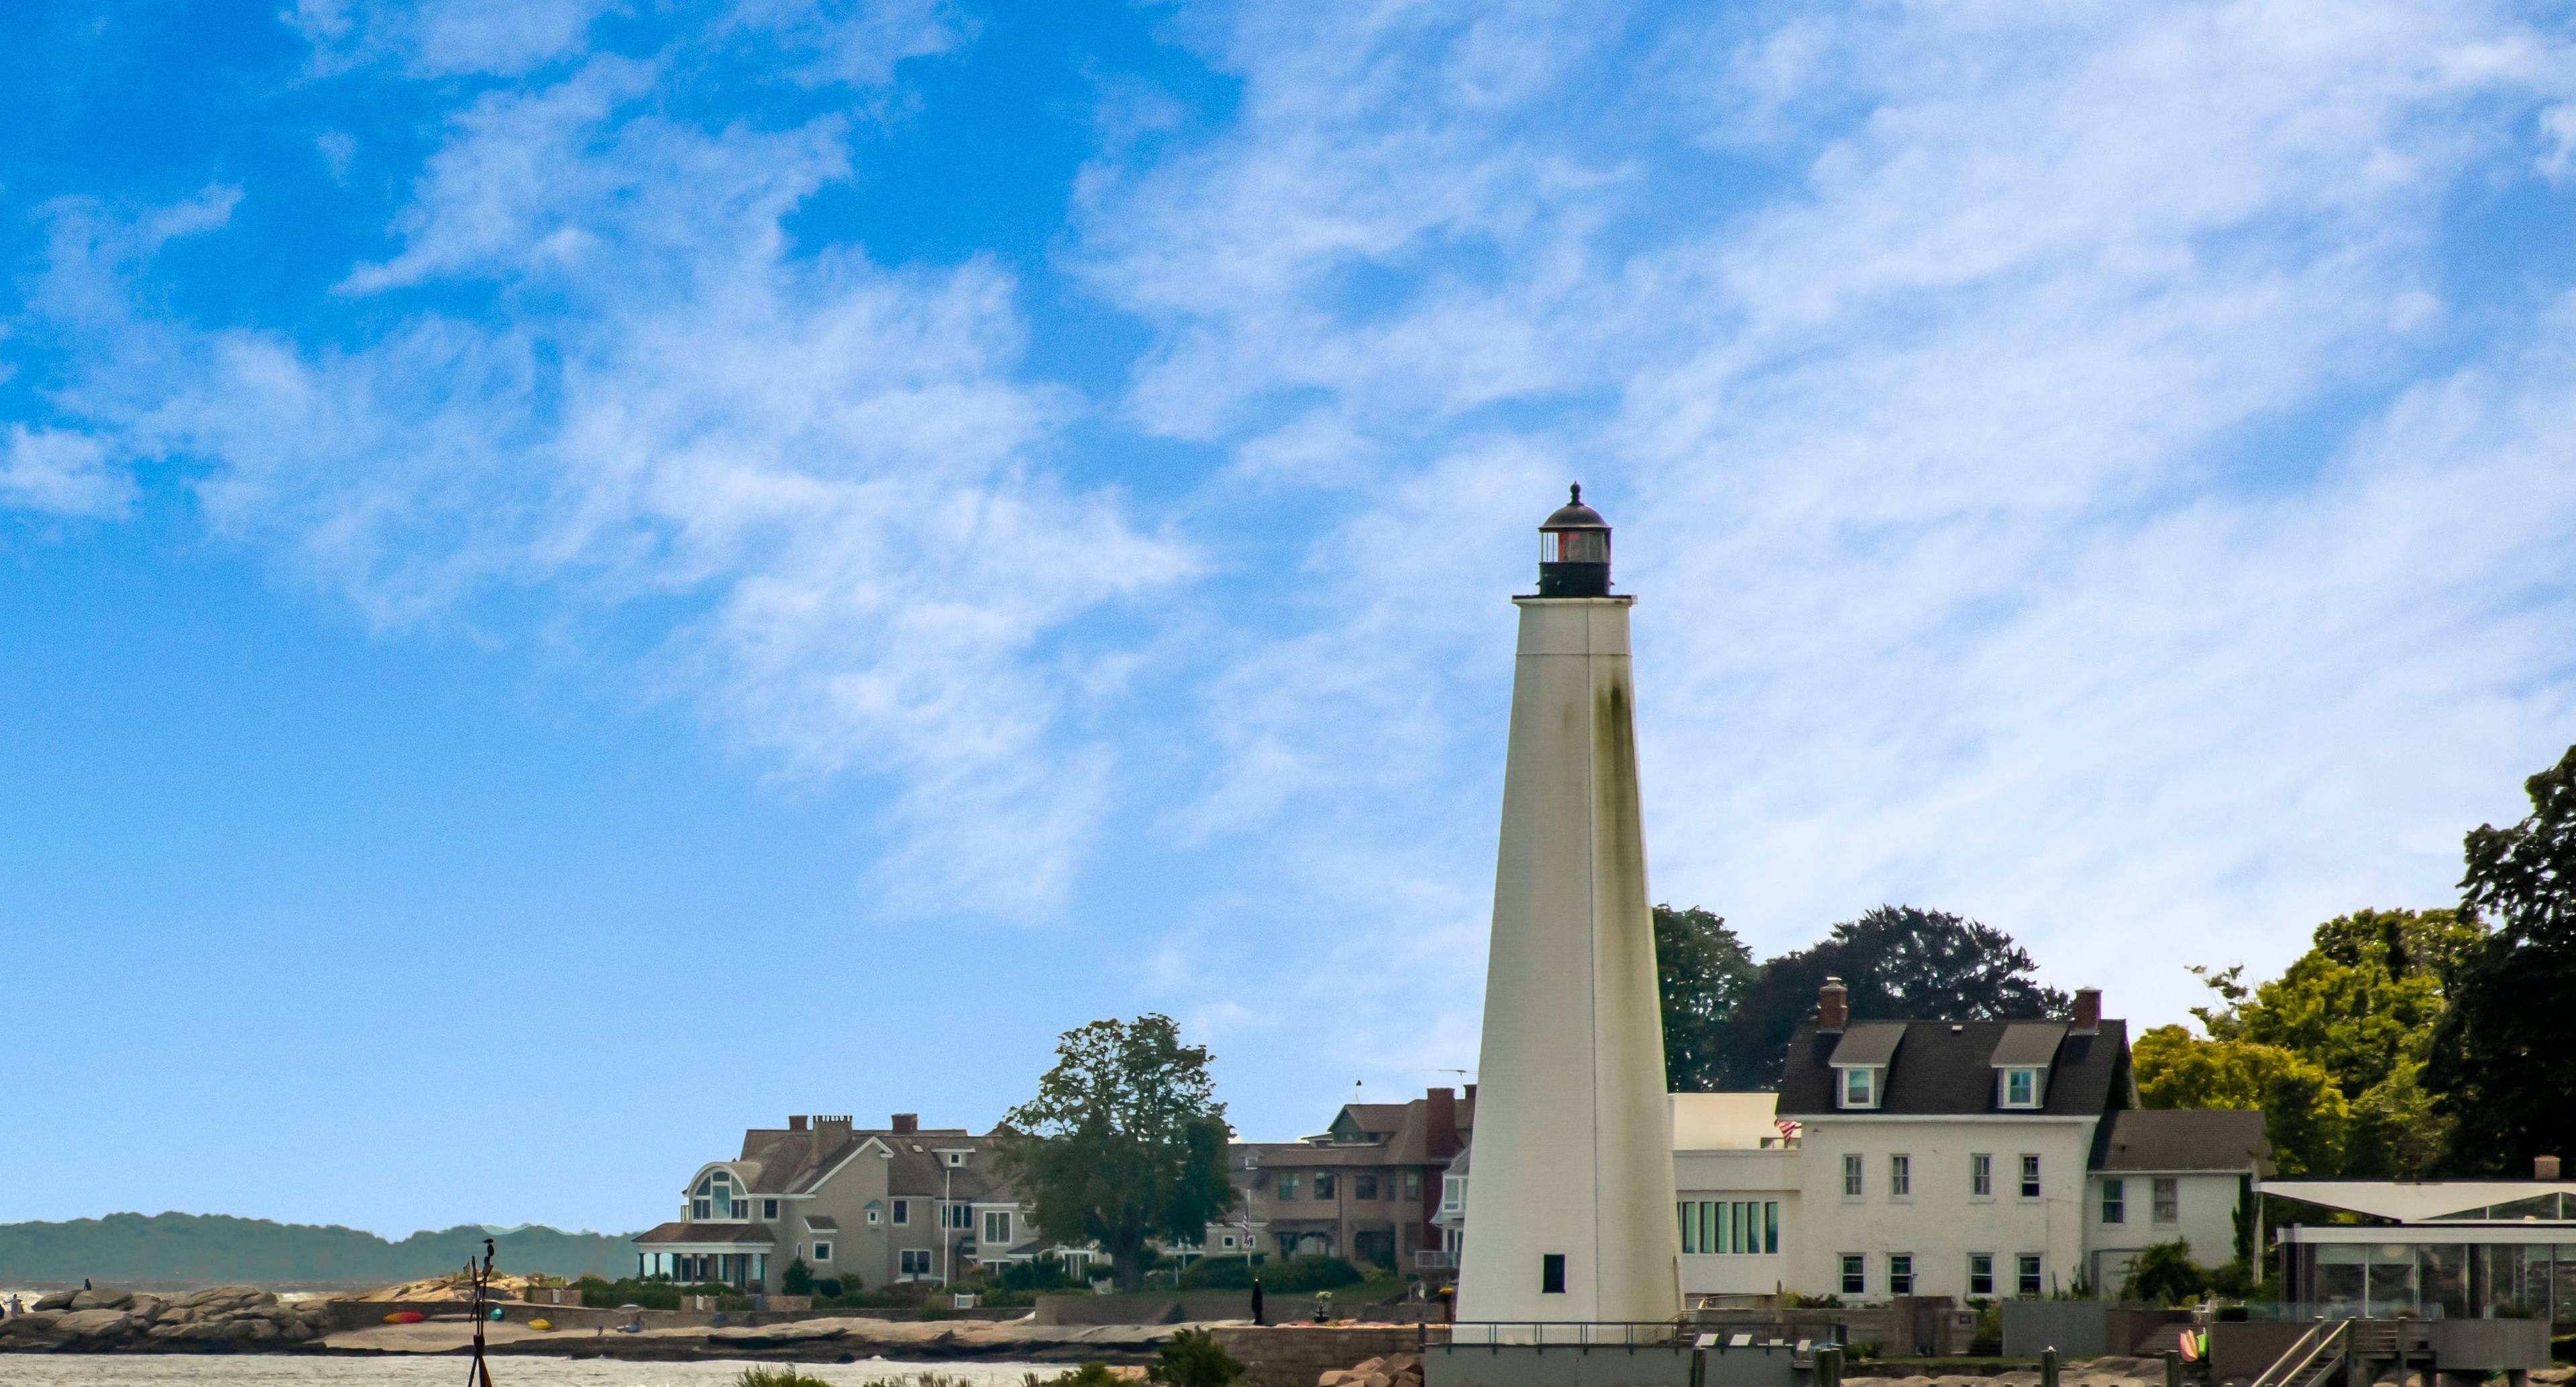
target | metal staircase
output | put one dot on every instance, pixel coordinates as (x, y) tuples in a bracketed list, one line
[(2314, 1359)]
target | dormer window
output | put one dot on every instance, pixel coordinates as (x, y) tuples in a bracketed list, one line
[(1861, 1061), (2022, 1058), (715, 1199), (957, 1158)]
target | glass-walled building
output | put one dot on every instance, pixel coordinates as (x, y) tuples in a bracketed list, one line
[(2447, 1249)]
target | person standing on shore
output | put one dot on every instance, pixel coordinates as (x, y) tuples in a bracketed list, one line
[(1256, 1304)]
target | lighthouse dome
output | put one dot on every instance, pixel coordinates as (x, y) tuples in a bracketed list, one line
[(1574, 550), (1574, 515)]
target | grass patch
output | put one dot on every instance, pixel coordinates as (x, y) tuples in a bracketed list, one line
[(777, 1377)]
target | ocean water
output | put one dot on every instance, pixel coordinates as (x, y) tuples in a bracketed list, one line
[(443, 1370)]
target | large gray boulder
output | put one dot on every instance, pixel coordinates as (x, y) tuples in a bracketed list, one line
[(95, 1324), (102, 1300), (58, 1300)]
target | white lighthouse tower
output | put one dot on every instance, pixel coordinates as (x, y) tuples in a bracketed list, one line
[(1570, 1207)]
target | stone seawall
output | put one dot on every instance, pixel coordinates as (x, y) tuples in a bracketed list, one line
[(1295, 1355)]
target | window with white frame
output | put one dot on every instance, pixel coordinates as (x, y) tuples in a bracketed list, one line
[(997, 1228), (822, 1250), (875, 1214), (2029, 1177), (902, 1212), (1855, 1274), (957, 1216), (914, 1261), (957, 1158), (1981, 1273), (2026, 1274), (1981, 1175), (769, 1210), (1413, 1185), (1900, 1273), (1860, 1086), (2115, 1200), (1900, 1176), (2168, 1193), (1851, 1175), (1229, 1240), (2021, 1087)]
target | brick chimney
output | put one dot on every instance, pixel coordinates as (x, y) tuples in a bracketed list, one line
[(2088, 1011), (2544, 1167), (906, 1123), (1833, 1007), (796, 1122), (1440, 1123), (827, 1130)]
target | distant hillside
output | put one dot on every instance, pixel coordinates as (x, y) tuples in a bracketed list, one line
[(213, 1247)]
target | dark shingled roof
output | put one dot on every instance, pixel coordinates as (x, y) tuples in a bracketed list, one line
[(1946, 1068), (756, 1234), (2172, 1140)]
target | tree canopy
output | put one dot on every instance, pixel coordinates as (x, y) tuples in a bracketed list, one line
[(1124, 1142), (2358, 1010), (2501, 1059), (1897, 962), (1705, 971)]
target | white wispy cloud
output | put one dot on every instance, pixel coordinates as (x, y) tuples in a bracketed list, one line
[(2037, 436), (833, 466), (60, 472)]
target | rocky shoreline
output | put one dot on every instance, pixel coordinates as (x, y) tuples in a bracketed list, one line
[(219, 1319)]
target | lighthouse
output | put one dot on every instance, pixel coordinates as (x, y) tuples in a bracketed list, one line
[(1570, 1208)]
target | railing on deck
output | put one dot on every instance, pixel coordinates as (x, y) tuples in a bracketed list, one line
[(1579, 1334)]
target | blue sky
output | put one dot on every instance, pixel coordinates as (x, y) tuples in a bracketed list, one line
[(576, 575)]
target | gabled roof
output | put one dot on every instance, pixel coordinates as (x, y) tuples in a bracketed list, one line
[(1946, 1068), (2166, 1140)]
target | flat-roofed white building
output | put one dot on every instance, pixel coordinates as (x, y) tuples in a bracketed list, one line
[(1736, 1179)]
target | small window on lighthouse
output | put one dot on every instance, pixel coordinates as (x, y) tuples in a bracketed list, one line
[(1574, 546)]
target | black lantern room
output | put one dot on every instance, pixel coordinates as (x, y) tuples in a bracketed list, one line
[(1574, 550)]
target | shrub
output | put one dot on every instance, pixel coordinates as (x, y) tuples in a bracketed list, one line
[(2164, 1274), (654, 1294), (1290, 1277), (829, 1288), (1193, 1358), (798, 1279), (1044, 1273), (777, 1377), (1088, 1375)]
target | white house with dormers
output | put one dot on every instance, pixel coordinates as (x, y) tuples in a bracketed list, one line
[(898, 1203), (1970, 1159), (1995, 1158)]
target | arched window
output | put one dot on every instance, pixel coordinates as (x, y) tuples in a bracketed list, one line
[(715, 1196)]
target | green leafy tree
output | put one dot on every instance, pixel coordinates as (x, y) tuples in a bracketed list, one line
[(2305, 1115), (2501, 1065), (1704, 971), (1124, 1142), (1898, 963), (2362, 1004), (798, 1279)]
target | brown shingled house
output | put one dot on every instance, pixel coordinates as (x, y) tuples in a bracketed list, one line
[(1367, 1188), (898, 1203)]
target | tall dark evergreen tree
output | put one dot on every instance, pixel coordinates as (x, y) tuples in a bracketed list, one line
[(2503, 1063), (1704, 971), (1899, 962)]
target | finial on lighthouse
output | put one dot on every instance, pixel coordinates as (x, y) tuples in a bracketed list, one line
[(1574, 550)]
